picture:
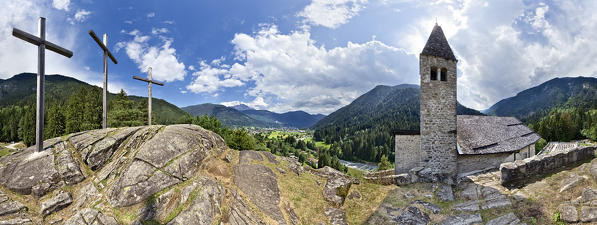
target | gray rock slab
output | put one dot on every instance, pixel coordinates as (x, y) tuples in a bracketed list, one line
[(593, 169), (336, 216), (430, 206), (56, 203), (470, 192), (572, 181), (496, 203), (137, 183), (588, 214), (463, 219), (28, 171), (588, 194), (101, 151), (90, 216), (176, 140), (568, 213), (67, 166), (508, 219), (240, 211), (84, 141), (413, 216), (10, 207), (331, 190), (470, 206), (246, 156), (445, 193), (16, 221), (261, 185), (270, 157), (206, 206)]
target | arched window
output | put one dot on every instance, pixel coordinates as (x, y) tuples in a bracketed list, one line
[(444, 74), (433, 73)]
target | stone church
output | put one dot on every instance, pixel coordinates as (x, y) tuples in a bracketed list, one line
[(448, 144)]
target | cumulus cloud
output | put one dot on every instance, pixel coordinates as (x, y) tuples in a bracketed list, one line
[(151, 14), (156, 31), (162, 57), (80, 16), (209, 79), (61, 4), (505, 47), (257, 103), (331, 13), (292, 72)]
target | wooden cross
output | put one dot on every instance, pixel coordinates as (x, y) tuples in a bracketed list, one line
[(104, 46), (42, 44), (149, 81)]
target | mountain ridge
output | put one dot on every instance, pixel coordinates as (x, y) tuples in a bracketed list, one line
[(533, 103), (20, 90)]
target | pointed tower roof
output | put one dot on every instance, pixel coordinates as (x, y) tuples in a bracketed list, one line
[(437, 45)]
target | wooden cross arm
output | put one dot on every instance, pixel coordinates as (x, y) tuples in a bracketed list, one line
[(146, 80), (97, 40), (37, 41)]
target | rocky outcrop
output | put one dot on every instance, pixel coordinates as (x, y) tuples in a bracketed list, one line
[(56, 203), (336, 186), (90, 216), (169, 157), (206, 206), (261, 185), (29, 172)]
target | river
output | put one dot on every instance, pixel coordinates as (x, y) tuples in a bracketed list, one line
[(359, 166)]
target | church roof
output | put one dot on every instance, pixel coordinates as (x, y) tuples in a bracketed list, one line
[(492, 134), (437, 45)]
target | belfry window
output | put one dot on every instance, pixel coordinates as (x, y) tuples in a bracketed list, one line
[(444, 74), (433, 73)]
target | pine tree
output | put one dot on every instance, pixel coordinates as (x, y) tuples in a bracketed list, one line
[(29, 126), (55, 122)]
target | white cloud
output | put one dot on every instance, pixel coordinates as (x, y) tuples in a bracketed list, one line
[(80, 16), (257, 103), (162, 58), (168, 21), (331, 13), (504, 47), (151, 14), (209, 79), (291, 72), (156, 31), (128, 22), (61, 4)]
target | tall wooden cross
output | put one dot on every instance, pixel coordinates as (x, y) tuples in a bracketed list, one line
[(104, 47), (149, 81), (42, 44)]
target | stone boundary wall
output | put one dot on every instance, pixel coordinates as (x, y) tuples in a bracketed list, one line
[(518, 171), (384, 177)]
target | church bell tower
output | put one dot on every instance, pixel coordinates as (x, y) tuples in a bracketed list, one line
[(438, 106)]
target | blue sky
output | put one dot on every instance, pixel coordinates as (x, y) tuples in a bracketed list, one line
[(310, 55)]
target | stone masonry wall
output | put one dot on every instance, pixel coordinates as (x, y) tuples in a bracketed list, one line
[(406, 152), (520, 170), (438, 117), (468, 163)]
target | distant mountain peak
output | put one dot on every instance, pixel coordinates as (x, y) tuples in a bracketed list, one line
[(241, 107)]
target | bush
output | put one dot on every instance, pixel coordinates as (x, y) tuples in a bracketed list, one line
[(384, 164), (539, 145)]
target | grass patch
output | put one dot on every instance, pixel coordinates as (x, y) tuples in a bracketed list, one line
[(359, 174), (4, 151), (372, 195), (306, 196)]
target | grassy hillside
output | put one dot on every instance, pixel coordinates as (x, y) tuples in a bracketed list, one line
[(20, 91), (534, 103)]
